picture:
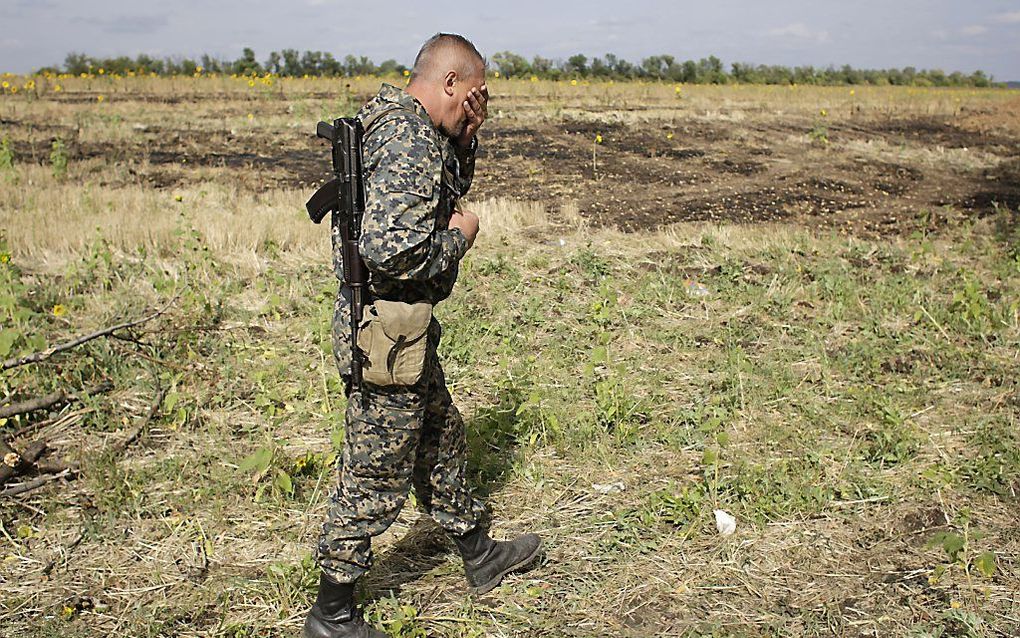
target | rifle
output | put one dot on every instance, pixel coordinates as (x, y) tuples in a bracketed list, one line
[(344, 197)]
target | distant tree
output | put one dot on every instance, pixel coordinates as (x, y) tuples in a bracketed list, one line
[(309, 63), (246, 64), (851, 75), (76, 63), (599, 68), (358, 66), (803, 75), (275, 63), (744, 73), (187, 66), (145, 64), (618, 68), (675, 72), (390, 67), (511, 65), (576, 65), (657, 66), (690, 71), (622, 68), (290, 62), (350, 65), (710, 70), (331, 66), (211, 64), (544, 67)]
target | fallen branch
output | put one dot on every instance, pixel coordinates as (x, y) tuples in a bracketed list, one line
[(139, 353), (12, 463), (31, 405), (137, 430), (48, 400), (56, 467), (43, 355), (28, 486)]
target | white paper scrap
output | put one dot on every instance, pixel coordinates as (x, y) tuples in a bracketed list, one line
[(725, 522), (608, 488)]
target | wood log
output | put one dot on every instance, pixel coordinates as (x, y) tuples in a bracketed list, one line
[(137, 430), (31, 405), (48, 400), (55, 466), (35, 483), (14, 463)]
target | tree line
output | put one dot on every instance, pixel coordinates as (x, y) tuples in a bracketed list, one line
[(710, 70), (288, 63)]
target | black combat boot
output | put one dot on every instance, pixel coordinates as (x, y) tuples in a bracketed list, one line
[(486, 561), (334, 614)]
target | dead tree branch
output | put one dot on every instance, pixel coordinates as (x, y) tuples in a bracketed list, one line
[(13, 463), (56, 466), (28, 486), (43, 355), (48, 400), (31, 405), (137, 430)]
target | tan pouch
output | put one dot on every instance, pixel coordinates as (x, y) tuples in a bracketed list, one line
[(393, 337)]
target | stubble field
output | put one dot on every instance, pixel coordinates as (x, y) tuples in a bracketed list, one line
[(795, 304)]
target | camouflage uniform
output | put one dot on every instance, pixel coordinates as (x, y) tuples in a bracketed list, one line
[(404, 434)]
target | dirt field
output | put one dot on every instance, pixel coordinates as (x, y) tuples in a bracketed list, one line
[(795, 304), (861, 166)]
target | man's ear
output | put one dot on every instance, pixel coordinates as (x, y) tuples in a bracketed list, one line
[(448, 81)]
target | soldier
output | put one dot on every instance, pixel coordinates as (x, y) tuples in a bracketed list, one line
[(401, 426)]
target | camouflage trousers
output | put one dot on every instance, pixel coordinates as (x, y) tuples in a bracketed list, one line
[(398, 437)]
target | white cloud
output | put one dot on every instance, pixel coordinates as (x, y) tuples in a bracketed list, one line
[(801, 31), (974, 29), (1012, 17)]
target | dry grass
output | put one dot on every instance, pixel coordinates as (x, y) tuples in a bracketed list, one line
[(60, 221)]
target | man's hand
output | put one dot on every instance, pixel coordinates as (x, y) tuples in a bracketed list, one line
[(477, 108), (467, 222)]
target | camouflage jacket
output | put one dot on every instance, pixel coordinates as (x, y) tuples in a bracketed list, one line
[(413, 178)]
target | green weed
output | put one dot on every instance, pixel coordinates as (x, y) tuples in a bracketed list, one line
[(58, 158), (6, 154)]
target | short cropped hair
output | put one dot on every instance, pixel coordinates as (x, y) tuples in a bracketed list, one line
[(423, 62)]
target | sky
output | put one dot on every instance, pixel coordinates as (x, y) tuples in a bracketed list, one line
[(946, 34)]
